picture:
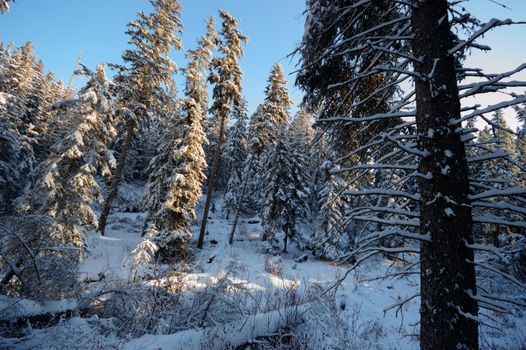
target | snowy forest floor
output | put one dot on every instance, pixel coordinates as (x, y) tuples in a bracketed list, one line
[(236, 297)]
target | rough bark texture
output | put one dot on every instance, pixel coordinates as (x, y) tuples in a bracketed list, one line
[(117, 177), (211, 182), (446, 274)]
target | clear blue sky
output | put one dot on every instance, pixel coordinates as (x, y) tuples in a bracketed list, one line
[(59, 29)]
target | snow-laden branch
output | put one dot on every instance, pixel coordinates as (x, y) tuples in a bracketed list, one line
[(490, 219), (500, 205), (386, 192), (489, 109), (512, 191), (488, 26)]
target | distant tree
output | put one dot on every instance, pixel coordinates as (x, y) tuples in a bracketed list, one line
[(273, 118), (235, 155), (269, 118), (286, 191), (142, 84), (226, 76), (177, 172)]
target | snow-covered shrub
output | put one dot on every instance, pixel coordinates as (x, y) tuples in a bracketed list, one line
[(35, 262)]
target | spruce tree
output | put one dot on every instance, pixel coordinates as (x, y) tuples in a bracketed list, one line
[(286, 191), (226, 76), (177, 172), (235, 155), (65, 186), (142, 84)]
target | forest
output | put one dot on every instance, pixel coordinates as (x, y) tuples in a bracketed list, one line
[(151, 208)]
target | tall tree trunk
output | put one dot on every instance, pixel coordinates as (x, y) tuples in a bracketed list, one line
[(447, 311), (241, 197), (211, 182), (117, 177)]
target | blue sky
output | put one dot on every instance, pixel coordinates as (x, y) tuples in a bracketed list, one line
[(59, 29)]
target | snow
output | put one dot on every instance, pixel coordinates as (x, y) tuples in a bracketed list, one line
[(366, 311)]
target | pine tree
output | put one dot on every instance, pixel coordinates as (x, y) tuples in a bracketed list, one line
[(235, 155), (387, 43), (520, 142), (327, 240), (226, 76), (177, 172), (65, 186), (270, 118), (23, 90), (16, 153), (286, 192), (142, 84)]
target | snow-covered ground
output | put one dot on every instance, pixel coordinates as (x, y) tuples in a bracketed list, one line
[(272, 292)]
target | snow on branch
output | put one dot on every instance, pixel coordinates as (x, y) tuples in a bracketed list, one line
[(488, 26), (387, 192), (512, 191)]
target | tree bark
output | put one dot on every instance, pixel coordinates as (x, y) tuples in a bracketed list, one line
[(448, 313), (240, 202), (211, 182), (117, 177)]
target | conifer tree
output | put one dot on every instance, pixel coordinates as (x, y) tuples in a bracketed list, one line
[(235, 154), (286, 191), (177, 174), (65, 187), (327, 240), (142, 84), (270, 118), (26, 93), (226, 76)]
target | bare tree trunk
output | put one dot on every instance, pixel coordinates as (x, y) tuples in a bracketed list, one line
[(241, 197), (117, 177), (448, 313), (211, 182)]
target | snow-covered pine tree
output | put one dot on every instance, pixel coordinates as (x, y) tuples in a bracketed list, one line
[(16, 153), (235, 155), (271, 118), (226, 75), (23, 95), (393, 43), (277, 100), (260, 131), (286, 191), (142, 83), (177, 172), (520, 141), (494, 165), (267, 121), (65, 186)]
